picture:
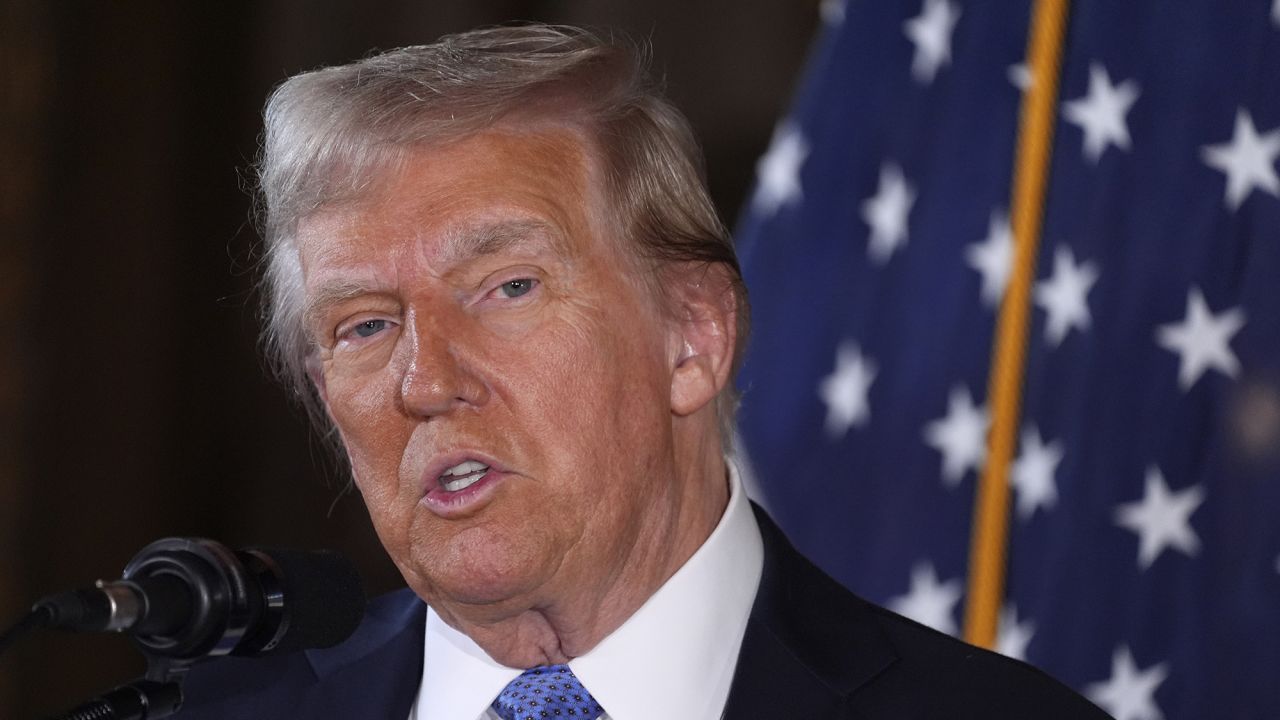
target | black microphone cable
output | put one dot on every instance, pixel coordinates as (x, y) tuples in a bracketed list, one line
[(36, 617)]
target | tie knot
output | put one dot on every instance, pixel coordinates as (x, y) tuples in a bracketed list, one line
[(546, 692)]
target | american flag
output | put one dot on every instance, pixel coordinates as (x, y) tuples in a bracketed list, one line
[(1144, 527)]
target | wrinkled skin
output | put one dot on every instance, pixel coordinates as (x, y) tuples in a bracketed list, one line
[(479, 305)]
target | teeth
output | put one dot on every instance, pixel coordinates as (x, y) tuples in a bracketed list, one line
[(465, 468), (463, 475), (461, 483)]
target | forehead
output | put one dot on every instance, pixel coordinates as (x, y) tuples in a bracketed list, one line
[(503, 188)]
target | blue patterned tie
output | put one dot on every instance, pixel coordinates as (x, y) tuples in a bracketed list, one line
[(546, 692)]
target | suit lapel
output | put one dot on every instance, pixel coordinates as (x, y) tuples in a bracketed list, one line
[(809, 642), (771, 682), (378, 668)]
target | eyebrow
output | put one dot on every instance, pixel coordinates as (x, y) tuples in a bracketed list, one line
[(328, 296), (491, 238)]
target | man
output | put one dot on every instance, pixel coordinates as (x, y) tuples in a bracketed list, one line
[(494, 269)]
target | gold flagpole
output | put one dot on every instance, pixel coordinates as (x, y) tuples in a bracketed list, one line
[(987, 550)]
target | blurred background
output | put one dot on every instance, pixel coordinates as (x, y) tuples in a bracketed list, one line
[(133, 401)]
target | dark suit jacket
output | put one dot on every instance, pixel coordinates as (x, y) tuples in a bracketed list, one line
[(812, 650)]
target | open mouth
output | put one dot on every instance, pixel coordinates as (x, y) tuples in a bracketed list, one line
[(462, 476)]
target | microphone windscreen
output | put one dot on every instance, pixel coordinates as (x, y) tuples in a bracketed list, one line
[(323, 598)]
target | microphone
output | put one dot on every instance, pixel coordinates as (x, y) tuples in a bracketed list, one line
[(190, 598)]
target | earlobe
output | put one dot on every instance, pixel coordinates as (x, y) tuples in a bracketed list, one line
[(704, 338), (692, 385)]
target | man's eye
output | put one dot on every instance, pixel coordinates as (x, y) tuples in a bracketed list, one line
[(369, 328), (516, 288)]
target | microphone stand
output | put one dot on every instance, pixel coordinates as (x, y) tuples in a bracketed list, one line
[(157, 694)]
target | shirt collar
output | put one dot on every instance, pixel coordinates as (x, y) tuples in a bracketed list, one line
[(684, 639)]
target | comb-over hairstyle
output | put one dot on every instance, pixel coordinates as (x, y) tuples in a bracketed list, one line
[(331, 133)]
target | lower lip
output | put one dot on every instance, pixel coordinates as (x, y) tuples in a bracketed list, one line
[(465, 501)]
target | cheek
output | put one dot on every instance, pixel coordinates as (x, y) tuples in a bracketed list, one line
[(597, 381), (363, 409)]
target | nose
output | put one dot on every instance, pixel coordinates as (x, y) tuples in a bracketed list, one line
[(437, 377)]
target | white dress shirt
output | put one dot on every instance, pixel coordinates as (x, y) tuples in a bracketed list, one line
[(683, 641)]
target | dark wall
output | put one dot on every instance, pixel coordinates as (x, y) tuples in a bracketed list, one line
[(133, 402)]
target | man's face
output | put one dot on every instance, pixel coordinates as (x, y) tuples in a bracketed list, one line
[(499, 376)]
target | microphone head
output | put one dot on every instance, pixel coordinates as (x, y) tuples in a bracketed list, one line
[(245, 602), (316, 597)]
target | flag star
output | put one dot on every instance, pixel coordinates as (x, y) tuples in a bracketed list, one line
[(961, 436), (778, 172), (1033, 473), (1100, 113), (832, 11), (886, 213), (1130, 693), (1202, 340), (1013, 636), (1248, 160), (993, 258), (929, 601), (1020, 76), (930, 31), (1063, 295), (1162, 518), (845, 390)]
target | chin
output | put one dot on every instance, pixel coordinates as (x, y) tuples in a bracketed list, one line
[(481, 566)]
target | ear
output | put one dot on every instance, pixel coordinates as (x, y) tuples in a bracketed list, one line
[(704, 331)]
